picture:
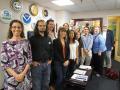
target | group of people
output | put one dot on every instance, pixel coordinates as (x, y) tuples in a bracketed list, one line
[(46, 59)]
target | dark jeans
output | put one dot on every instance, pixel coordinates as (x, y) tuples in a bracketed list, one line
[(41, 76), (53, 74), (61, 73), (71, 67), (98, 62)]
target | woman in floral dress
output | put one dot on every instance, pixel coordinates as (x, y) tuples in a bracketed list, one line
[(16, 58)]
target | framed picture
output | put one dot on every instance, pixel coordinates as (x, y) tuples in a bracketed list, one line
[(33, 9), (45, 12)]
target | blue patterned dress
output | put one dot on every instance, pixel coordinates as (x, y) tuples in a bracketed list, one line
[(15, 55)]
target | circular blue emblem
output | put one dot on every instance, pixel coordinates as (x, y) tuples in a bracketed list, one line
[(5, 16), (26, 18)]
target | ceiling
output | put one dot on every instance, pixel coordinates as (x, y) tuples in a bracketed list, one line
[(85, 5)]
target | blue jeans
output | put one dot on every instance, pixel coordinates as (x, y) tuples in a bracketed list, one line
[(61, 73), (41, 76)]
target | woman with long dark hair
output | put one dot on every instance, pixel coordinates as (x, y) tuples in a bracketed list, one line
[(61, 57), (73, 45)]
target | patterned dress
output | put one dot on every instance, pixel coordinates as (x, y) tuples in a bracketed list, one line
[(15, 55)]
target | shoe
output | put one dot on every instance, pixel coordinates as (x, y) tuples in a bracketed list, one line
[(98, 75)]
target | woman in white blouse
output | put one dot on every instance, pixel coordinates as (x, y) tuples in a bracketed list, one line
[(73, 46)]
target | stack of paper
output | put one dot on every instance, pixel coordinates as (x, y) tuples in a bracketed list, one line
[(85, 67), (78, 71), (79, 77)]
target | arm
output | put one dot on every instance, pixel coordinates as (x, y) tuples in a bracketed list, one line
[(50, 52), (112, 39), (91, 43), (18, 77), (76, 55), (29, 59), (101, 44), (27, 67)]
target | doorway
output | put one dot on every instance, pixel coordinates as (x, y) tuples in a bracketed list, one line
[(114, 24)]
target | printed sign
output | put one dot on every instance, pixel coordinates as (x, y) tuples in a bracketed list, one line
[(5, 16)]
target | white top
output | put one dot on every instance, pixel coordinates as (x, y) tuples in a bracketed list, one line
[(73, 47), (104, 34)]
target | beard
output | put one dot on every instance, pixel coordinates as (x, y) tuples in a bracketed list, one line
[(42, 31)]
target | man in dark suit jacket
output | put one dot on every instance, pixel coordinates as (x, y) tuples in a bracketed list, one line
[(109, 37)]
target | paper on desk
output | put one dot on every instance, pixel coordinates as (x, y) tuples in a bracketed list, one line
[(79, 77), (82, 72), (85, 67)]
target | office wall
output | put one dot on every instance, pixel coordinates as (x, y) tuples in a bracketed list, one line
[(62, 17)]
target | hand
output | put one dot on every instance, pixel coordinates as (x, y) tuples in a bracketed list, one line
[(86, 51), (77, 61), (49, 62), (19, 77), (66, 63), (112, 48), (99, 53), (35, 64)]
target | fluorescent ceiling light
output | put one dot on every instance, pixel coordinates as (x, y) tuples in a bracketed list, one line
[(62, 2)]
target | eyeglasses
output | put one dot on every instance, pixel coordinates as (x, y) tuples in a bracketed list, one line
[(14, 27)]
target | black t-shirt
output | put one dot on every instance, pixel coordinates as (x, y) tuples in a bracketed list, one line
[(41, 48)]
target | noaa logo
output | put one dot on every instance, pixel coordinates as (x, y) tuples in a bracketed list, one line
[(5, 16), (26, 18), (16, 5)]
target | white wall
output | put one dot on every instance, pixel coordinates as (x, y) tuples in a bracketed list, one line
[(62, 17), (96, 14), (5, 4)]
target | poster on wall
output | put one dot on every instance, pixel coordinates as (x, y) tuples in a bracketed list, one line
[(26, 18), (5, 16), (16, 5), (33, 9)]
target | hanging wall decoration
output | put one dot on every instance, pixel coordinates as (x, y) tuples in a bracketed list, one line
[(16, 5), (33, 9), (45, 13), (26, 18), (5, 16)]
